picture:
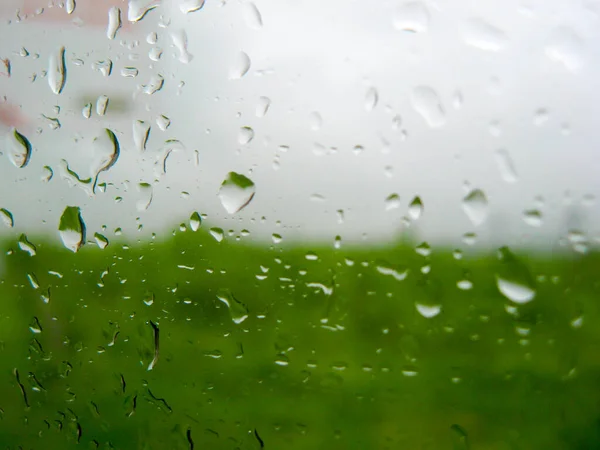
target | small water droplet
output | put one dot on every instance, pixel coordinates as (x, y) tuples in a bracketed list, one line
[(464, 285), (180, 41), (412, 17), (236, 192), (57, 71), (423, 249), (141, 134), (163, 122), (415, 209), (72, 228), (240, 66), (475, 206), (155, 84), (102, 105), (139, 8), (533, 217), (540, 117), (237, 310), (428, 311), (262, 107), (513, 278), (428, 104), (484, 36), (18, 148), (7, 218), (252, 16), (217, 233), (114, 22), (101, 240), (106, 153), (506, 166), (315, 121), (245, 135), (27, 246), (392, 201), (145, 190), (86, 112), (195, 221), (371, 99), (188, 6)]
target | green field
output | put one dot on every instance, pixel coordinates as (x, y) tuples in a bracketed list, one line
[(333, 353)]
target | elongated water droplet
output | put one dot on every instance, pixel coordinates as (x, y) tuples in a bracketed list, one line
[(428, 104), (513, 279), (72, 228), (86, 111), (47, 174), (195, 221), (236, 192), (475, 206), (371, 99), (252, 16), (240, 66), (18, 148), (506, 166), (57, 71), (180, 41), (139, 8), (245, 135), (188, 6), (237, 310), (480, 34), (533, 217), (262, 106), (412, 17), (101, 240), (392, 201), (106, 154), (70, 6), (102, 105), (428, 311), (141, 134), (27, 246), (415, 209), (114, 22), (145, 190), (7, 218)]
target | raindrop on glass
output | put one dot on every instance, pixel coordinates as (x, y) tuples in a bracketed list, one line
[(114, 22), (480, 34), (57, 71), (371, 99), (262, 106), (237, 309), (180, 41), (475, 206), (141, 133), (245, 135), (415, 209), (195, 221), (392, 201), (188, 6), (139, 8), (252, 16), (513, 279), (412, 17), (236, 192), (427, 103), (6, 218), (72, 228), (18, 148), (106, 153), (240, 66), (506, 166)]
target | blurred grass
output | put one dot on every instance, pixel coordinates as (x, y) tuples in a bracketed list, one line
[(333, 354)]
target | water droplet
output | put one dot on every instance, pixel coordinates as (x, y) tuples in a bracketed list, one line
[(475, 206), (180, 41), (397, 273), (145, 189), (460, 437), (72, 228), (262, 107), (237, 309), (104, 67), (155, 84), (540, 117), (26, 246), (195, 221), (101, 240), (57, 71), (241, 66), (114, 22), (18, 148), (188, 6), (139, 8), (33, 281), (480, 34), (513, 278), (428, 104), (412, 16), (506, 166), (245, 135), (7, 218), (371, 99), (86, 111), (392, 201), (415, 209), (423, 249), (141, 134), (464, 285), (102, 105), (533, 217), (315, 121), (163, 122), (217, 233), (236, 192), (565, 47), (106, 154), (70, 6), (428, 311), (252, 16), (5, 67)]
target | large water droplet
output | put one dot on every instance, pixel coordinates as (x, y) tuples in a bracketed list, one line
[(70, 6), (72, 228), (141, 134), (27, 246), (106, 153), (154, 85), (139, 8), (18, 148), (475, 206), (236, 192), (180, 41), (513, 279), (371, 99), (428, 104), (114, 22), (101, 240), (57, 71), (412, 16), (188, 6), (252, 16), (6, 218), (415, 209), (245, 135), (240, 66), (145, 190), (480, 34), (237, 309), (505, 166), (195, 221)]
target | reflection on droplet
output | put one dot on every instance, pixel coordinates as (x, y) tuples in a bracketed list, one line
[(371, 99), (195, 221), (139, 8), (145, 190), (141, 133), (428, 311), (392, 201), (252, 16), (57, 71), (240, 66), (188, 6), (101, 240), (475, 206), (513, 278), (114, 22), (237, 310), (7, 218), (236, 192), (533, 217), (506, 166), (106, 153), (245, 135), (412, 16), (428, 104), (72, 228), (18, 148), (480, 34), (415, 209), (180, 41), (262, 106)]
